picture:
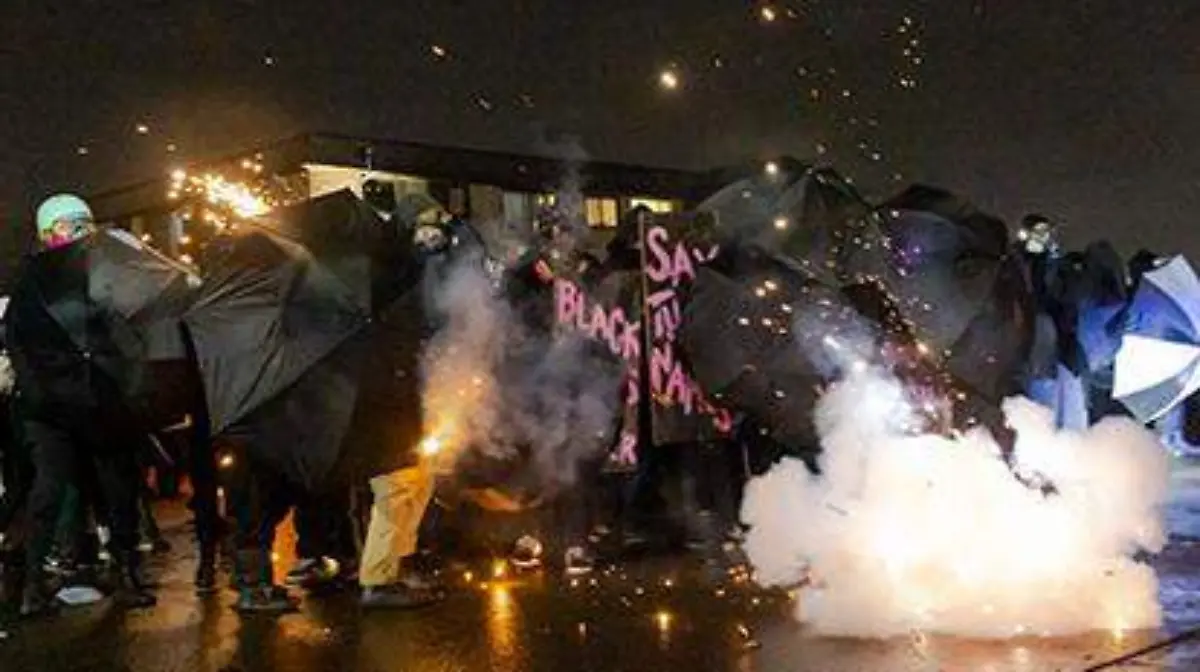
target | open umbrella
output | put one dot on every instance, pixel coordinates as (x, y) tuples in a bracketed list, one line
[(743, 331), (85, 318), (308, 335), (810, 215), (948, 270), (1158, 363)]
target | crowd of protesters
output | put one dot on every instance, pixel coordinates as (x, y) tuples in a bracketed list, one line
[(82, 473)]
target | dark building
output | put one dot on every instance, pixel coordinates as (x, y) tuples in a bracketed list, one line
[(495, 191)]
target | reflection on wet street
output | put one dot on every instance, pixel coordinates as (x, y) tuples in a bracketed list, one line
[(655, 614)]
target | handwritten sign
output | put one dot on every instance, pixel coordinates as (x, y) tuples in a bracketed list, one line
[(670, 265)]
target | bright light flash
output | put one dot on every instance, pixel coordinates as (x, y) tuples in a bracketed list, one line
[(431, 445)]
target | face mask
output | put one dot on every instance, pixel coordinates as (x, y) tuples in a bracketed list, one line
[(72, 232)]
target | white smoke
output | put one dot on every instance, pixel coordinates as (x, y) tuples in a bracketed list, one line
[(907, 533), (496, 385)]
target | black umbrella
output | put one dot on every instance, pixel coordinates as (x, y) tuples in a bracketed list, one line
[(810, 215), (85, 319), (744, 334), (947, 269), (308, 334)]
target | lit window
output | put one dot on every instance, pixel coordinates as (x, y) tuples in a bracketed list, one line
[(656, 205), (601, 212)]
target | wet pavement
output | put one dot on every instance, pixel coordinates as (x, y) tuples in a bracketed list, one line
[(654, 614)]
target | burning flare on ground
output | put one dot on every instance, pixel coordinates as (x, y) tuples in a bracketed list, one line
[(925, 533)]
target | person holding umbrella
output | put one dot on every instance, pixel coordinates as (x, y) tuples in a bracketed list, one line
[(72, 411)]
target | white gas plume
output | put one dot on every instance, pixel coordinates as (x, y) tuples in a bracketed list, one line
[(904, 533)]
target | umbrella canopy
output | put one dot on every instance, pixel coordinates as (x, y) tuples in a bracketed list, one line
[(308, 334), (267, 313), (810, 215), (85, 318), (948, 271), (1158, 363), (744, 332)]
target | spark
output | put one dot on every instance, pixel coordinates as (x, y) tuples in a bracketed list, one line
[(82, 150), (663, 619), (142, 129), (781, 223), (768, 14), (771, 169), (438, 51), (226, 461), (668, 79)]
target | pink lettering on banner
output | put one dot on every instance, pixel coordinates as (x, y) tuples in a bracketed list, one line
[(610, 327), (568, 301), (666, 321), (631, 342), (627, 449), (670, 263), (657, 299), (667, 263), (632, 394), (601, 326)]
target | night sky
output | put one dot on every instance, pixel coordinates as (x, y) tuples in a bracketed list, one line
[(1086, 110)]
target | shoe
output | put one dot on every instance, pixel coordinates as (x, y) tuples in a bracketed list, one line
[(206, 579), (527, 553), (266, 599), (37, 597), (401, 595), (577, 561), (300, 571), (312, 574), (35, 604)]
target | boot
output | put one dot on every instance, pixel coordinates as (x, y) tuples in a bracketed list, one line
[(37, 597), (130, 590), (256, 592), (206, 570)]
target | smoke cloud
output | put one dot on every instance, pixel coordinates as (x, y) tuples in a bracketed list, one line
[(906, 533), (498, 382)]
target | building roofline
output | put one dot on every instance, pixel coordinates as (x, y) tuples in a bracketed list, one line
[(461, 165), (307, 140)]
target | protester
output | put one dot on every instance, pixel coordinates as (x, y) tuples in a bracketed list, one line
[(386, 452), (71, 413)]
